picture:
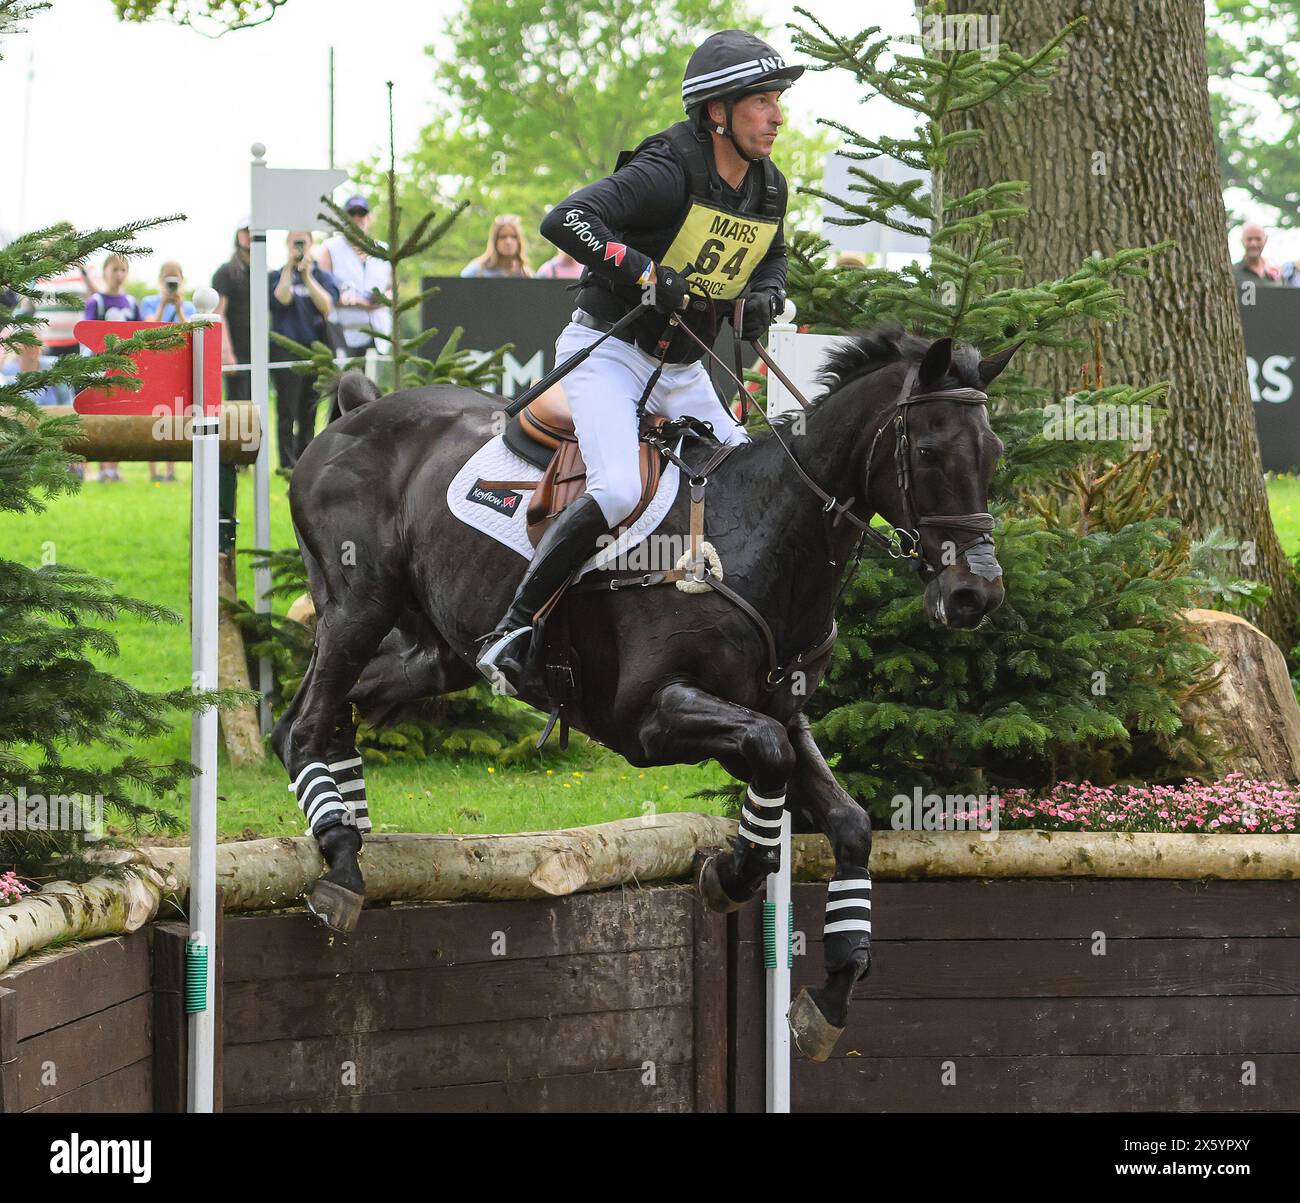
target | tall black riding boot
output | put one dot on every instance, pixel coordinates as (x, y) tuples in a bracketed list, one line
[(568, 541)]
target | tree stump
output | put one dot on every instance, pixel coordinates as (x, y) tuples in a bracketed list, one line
[(303, 610), (1254, 710), (239, 729)]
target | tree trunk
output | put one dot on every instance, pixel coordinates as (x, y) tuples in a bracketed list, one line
[(1122, 153)]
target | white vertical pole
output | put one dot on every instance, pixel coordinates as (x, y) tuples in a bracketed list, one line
[(259, 322), (781, 337), (205, 519), (778, 979)]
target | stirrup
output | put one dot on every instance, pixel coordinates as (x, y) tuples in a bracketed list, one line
[(486, 662)]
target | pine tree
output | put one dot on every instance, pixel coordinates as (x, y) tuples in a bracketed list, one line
[(1085, 669), (54, 700)]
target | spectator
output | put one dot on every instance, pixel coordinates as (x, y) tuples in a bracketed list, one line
[(1253, 268), (359, 277), (505, 254), (850, 259), (302, 297), (30, 359), (561, 266), (162, 307), (231, 282), (113, 304)]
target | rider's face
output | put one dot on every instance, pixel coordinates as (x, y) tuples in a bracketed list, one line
[(756, 120)]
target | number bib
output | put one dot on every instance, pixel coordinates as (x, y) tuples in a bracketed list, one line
[(724, 246)]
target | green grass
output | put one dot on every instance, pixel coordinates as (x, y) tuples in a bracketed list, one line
[(136, 534), (1284, 505)]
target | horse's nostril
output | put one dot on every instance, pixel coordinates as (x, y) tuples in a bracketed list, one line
[(967, 600)]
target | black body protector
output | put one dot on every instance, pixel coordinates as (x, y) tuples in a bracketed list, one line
[(723, 243)]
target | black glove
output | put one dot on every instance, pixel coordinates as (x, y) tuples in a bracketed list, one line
[(669, 290), (761, 309)]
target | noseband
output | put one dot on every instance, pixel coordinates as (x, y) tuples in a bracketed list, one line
[(978, 550)]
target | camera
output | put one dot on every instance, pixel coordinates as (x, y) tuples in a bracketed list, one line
[(173, 283)]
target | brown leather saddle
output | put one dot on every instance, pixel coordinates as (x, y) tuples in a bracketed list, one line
[(542, 434)]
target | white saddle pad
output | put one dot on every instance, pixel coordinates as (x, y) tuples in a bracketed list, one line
[(502, 514)]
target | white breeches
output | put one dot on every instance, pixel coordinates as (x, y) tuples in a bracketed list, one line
[(603, 391)]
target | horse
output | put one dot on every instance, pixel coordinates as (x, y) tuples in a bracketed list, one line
[(404, 592)]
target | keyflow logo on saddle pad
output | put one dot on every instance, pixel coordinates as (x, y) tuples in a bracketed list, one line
[(504, 501)]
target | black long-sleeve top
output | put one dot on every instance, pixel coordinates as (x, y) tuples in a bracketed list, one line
[(650, 192)]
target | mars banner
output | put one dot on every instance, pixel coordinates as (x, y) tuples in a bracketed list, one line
[(1272, 329)]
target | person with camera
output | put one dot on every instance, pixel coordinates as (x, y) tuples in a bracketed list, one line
[(303, 296)]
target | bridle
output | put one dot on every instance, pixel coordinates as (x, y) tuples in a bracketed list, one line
[(977, 550)]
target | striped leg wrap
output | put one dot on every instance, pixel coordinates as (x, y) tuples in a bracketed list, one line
[(760, 819), (318, 797), (848, 904), (352, 785)]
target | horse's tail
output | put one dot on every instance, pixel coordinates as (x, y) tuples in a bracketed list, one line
[(352, 390)]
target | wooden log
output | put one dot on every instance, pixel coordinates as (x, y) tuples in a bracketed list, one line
[(239, 728), (1254, 710), (140, 437), (265, 874), (274, 873), (910, 855), (102, 906)]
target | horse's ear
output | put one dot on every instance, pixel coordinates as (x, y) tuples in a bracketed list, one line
[(991, 368), (936, 364)]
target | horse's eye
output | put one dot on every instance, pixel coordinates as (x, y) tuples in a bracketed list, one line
[(926, 452)]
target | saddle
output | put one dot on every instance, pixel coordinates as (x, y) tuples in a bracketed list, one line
[(542, 434)]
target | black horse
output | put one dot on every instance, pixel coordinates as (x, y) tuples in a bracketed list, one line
[(404, 592)]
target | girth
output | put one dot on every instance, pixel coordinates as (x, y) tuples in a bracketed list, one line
[(696, 570)]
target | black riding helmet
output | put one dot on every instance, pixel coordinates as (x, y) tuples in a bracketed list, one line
[(727, 66)]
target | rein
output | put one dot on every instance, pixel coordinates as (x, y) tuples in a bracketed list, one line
[(978, 551), (981, 523)]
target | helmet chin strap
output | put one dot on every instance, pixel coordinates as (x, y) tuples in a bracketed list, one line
[(726, 131)]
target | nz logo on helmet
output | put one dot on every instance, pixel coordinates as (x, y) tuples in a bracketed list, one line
[(777, 63)]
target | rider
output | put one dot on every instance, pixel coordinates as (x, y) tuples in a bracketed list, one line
[(702, 195)]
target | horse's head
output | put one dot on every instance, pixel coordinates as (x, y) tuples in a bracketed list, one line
[(926, 461)]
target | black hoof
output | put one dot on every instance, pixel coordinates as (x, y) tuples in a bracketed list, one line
[(715, 897), (814, 1035), (337, 897), (337, 908)]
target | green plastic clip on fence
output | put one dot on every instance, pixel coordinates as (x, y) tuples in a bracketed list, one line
[(196, 977), (769, 936)]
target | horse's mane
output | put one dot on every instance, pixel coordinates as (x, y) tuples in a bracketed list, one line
[(867, 351)]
